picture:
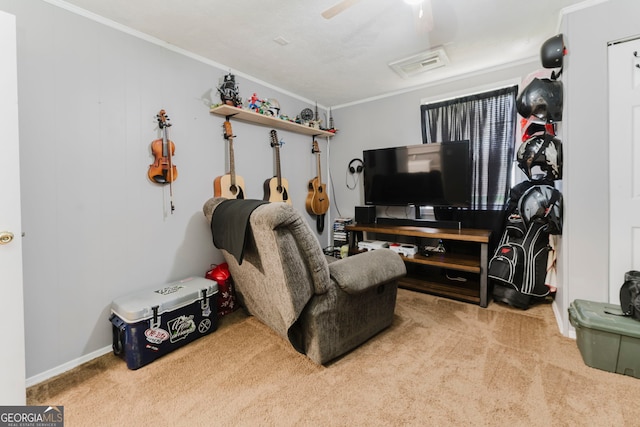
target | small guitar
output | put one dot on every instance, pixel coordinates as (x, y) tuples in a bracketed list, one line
[(230, 186), (276, 189), (317, 202)]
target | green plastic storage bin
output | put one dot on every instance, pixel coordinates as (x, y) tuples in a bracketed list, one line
[(606, 341)]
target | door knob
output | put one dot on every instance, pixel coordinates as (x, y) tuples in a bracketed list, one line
[(5, 237)]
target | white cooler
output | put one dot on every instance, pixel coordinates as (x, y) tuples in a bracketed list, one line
[(151, 323)]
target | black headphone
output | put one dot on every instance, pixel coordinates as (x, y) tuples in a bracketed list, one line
[(356, 169)]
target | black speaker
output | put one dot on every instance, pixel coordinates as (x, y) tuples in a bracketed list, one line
[(365, 214)]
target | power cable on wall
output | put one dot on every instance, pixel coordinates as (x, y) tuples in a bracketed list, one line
[(333, 190), (356, 179)]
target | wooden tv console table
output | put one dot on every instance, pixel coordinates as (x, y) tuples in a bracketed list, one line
[(423, 275)]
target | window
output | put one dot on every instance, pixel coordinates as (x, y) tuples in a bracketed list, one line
[(488, 120)]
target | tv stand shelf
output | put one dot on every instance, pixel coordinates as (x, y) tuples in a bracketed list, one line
[(420, 278)]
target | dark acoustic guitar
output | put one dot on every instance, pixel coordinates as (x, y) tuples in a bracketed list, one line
[(276, 189), (317, 202)]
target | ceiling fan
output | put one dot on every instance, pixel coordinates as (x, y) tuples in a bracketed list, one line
[(338, 8), (424, 12)]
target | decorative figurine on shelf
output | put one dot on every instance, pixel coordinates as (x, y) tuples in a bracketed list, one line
[(332, 127), (229, 91), (254, 103), (265, 107), (272, 107), (316, 124), (306, 115)]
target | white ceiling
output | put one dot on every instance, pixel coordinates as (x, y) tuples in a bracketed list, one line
[(344, 59)]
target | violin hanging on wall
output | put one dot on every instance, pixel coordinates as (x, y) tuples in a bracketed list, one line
[(162, 170)]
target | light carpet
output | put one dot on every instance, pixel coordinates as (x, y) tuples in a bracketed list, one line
[(441, 363)]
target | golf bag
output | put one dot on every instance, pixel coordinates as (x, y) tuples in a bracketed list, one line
[(519, 266)]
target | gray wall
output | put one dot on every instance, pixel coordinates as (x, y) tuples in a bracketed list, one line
[(96, 227), (586, 142)]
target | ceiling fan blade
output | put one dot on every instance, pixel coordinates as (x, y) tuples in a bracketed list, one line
[(424, 17), (428, 14), (338, 8)]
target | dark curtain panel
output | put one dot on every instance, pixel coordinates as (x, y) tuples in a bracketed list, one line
[(488, 120)]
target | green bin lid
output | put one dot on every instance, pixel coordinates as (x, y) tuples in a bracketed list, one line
[(596, 315)]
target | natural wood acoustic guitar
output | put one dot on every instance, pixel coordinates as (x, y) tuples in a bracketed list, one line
[(276, 189), (317, 202), (230, 186)]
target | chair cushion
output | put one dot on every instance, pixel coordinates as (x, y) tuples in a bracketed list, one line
[(359, 273)]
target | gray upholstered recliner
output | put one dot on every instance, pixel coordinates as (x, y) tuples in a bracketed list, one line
[(323, 308)]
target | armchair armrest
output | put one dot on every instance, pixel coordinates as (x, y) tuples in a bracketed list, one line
[(367, 270)]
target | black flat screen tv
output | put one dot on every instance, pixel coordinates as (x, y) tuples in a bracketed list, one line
[(435, 174)]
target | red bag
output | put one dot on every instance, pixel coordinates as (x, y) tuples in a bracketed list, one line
[(226, 293)]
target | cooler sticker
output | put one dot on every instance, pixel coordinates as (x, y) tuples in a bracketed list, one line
[(204, 326), (206, 312), (169, 290), (180, 327), (156, 335)]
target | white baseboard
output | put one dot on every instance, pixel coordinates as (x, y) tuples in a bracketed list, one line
[(558, 315), (36, 379)]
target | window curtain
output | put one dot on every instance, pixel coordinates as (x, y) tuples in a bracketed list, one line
[(488, 120)]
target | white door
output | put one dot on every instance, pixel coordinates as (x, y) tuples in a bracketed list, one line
[(12, 356), (624, 162)]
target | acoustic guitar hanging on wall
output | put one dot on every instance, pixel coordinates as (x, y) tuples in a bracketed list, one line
[(276, 189), (317, 202), (229, 186)]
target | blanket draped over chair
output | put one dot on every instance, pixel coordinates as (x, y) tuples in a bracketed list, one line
[(324, 307), (230, 224)]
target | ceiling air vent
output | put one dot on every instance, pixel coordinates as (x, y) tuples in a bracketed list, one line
[(416, 64)]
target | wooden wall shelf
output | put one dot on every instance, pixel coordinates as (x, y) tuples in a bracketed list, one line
[(261, 119)]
